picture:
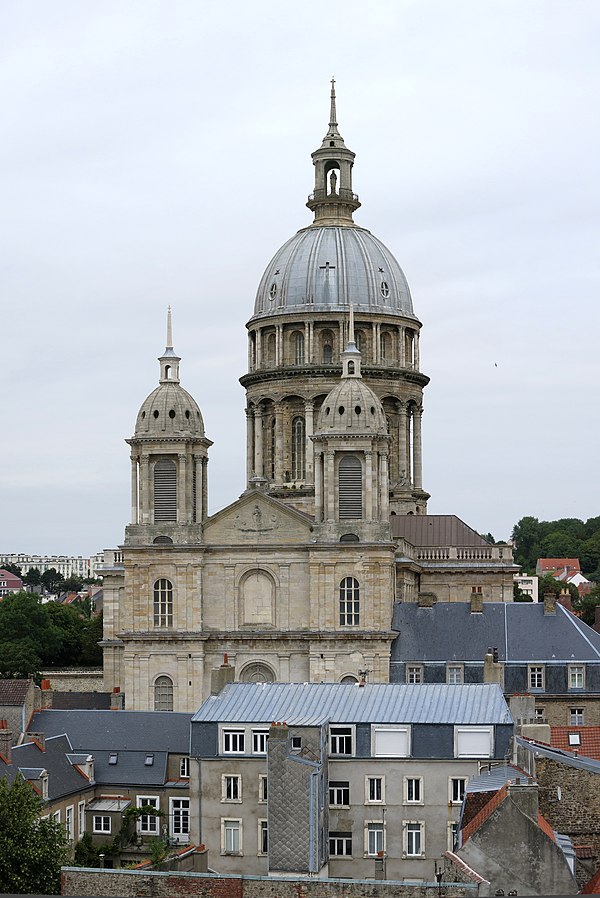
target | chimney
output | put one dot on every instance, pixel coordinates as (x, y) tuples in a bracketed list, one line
[(525, 796), (40, 738), (493, 671), (564, 599), (5, 741), (549, 603), (427, 599), (117, 699), (221, 676), (46, 694), (476, 603)]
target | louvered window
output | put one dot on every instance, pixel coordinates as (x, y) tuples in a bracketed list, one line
[(163, 603), (350, 487), (165, 491)]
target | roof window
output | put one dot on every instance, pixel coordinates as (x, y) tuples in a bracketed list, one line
[(149, 760), (113, 757)]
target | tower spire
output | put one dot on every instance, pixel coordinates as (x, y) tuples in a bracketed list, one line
[(169, 329), (351, 325), (333, 111), (169, 360)]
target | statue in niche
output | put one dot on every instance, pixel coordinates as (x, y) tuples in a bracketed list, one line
[(257, 517), (333, 182)]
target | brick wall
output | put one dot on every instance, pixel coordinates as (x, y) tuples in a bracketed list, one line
[(80, 881)]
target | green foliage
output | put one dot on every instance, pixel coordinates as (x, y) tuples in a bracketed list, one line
[(72, 584), (488, 538), (52, 581), (565, 538), (519, 595), (32, 849), (158, 849), (586, 607), (33, 577), (86, 855), (13, 569), (547, 583)]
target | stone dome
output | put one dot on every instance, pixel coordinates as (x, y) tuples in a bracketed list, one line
[(323, 268), (169, 411), (351, 408)]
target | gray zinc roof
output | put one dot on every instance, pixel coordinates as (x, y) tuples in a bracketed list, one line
[(435, 530), (494, 778), (519, 630), (311, 704), (93, 731)]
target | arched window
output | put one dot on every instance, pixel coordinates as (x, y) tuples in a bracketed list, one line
[(350, 487), (327, 344), (163, 603), (163, 694), (359, 339), (349, 602), (298, 339), (257, 672), (165, 490), (385, 343), (271, 350), (298, 448)]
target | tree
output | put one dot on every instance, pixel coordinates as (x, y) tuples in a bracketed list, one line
[(527, 534), (32, 849), (52, 581), (72, 584), (33, 577), (13, 569), (519, 595)]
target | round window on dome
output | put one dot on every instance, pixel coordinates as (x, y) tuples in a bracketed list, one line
[(273, 290), (155, 413), (327, 410), (172, 413), (143, 415), (357, 409), (187, 413), (372, 409), (385, 289), (341, 409)]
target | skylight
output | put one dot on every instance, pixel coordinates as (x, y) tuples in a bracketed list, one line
[(149, 760), (113, 757), (574, 739)]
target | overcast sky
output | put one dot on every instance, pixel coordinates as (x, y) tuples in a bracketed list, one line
[(159, 152)]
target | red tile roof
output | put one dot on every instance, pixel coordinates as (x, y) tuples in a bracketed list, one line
[(486, 812), (12, 582), (545, 827), (555, 564), (593, 886), (589, 738)]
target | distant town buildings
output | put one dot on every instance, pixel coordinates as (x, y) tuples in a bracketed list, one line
[(566, 570), (67, 565), (528, 585), (9, 583)]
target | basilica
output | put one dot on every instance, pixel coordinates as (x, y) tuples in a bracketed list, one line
[(295, 581)]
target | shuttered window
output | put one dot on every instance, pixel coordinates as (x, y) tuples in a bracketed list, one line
[(165, 491), (350, 487)]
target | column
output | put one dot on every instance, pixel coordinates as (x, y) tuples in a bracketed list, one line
[(416, 350), (134, 490), (401, 352), (329, 487), (309, 429), (249, 444), (199, 472), (369, 486), (402, 466), (384, 486), (258, 447), (409, 444), (278, 460), (258, 348), (181, 490), (318, 486), (204, 488), (311, 342), (418, 475), (145, 489), (375, 354), (278, 345)]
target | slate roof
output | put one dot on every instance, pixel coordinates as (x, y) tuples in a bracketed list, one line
[(30, 759), (13, 692), (130, 768), (435, 530), (95, 730), (82, 701), (312, 704), (519, 630), (589, 740)]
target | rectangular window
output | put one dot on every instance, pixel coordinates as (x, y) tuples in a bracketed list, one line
[(390, 741), (454, 674), (80, 818), (473, 742), (339, 794), (374, 789), (296, 743), (539, 715), (259, 742), (263, 837), (231, 787), (340, 741), (576, 716), (262, 787), (234, 742), (184, 769), (340, 844), (374, 834), (576, 676), (452, 834), (413, 790), (458, 784), (70, 822), (414, 844), (179, 819), (414, 673), (536, 676), (100, 824), (148, 824), (231, 836)]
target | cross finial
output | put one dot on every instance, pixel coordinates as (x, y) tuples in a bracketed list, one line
[(169, 329), (333, 112)]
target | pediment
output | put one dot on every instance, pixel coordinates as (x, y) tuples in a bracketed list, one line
[(257, 518)]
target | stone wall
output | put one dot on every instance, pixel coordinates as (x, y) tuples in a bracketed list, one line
[(75, 679), (122, 884)]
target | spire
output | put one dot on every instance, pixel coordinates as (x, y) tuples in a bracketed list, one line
[(333, 200), (169, 361), (351, 357), (351, 339)]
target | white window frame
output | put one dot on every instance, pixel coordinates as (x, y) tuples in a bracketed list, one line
[(80, 818), (459, 670), (148, 824), (577, 672), (259, 738), (338, 788), (105, 818), (263, 788), (537, 671), (406, 789), (231, 783), (56, 816), (225, 827), (576, 717), (484, 730), (405, 838), (262, 827), (414, 674), (233, 736), (380, 824), (390, 728), (452, 832), (179, 819), (343, 839), (70, 822), (368, 799), (456, 779), (184, 768), (335, 734)]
